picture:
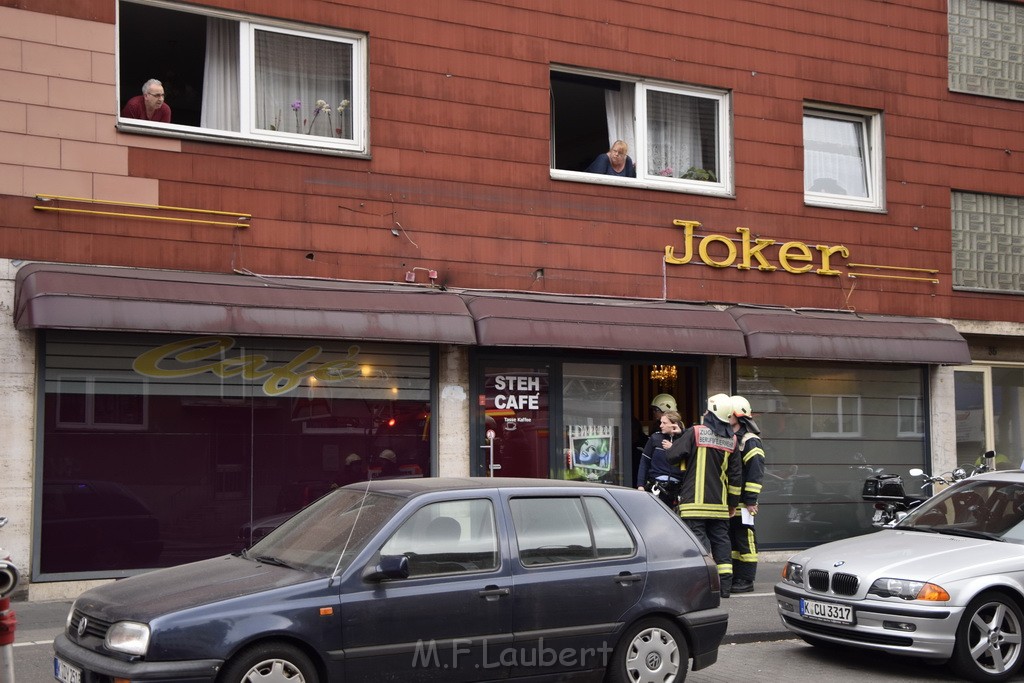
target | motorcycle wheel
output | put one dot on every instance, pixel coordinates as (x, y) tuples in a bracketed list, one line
[(982, 652)]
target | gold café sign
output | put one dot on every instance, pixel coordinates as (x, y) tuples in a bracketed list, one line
[(792, 257)]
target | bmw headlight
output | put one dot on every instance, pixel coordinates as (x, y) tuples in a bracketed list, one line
[(908, 590), (794, 573), (129, 637)]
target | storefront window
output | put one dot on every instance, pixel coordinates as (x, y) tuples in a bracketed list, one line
[(990, 414), (826, 428), (159, 450), (516, 412), (592, 424)]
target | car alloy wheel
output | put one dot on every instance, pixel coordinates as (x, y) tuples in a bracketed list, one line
[(651, 650), (989, 638), (270, 663)]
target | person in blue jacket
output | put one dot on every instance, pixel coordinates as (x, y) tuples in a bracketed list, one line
[(656, 470), (615, 161)]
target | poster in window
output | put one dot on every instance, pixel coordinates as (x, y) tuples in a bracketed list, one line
[(591, 448)]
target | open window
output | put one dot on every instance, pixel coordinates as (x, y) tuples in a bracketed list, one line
[(843, 159), (678, 136), (231, 77)]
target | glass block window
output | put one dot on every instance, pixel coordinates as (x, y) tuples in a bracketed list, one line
[(988, 242), (986, 48)]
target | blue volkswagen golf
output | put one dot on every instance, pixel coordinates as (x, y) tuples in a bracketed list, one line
[(438, 579)]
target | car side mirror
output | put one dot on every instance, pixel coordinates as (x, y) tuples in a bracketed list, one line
[(389, 567)]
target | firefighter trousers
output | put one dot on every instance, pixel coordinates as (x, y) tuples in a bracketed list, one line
[(744, 549)]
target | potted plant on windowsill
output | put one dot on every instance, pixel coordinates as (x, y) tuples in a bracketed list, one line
[(694, 173)]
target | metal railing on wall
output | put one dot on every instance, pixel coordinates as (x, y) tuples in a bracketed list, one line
[(241, 219)]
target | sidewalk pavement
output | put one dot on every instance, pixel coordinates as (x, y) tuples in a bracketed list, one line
[(753, 617)]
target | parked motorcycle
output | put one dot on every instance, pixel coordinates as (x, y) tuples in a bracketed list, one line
[(892, 503), (8, 572)]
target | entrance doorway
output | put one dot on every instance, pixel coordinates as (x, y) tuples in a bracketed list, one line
[(648, 381)]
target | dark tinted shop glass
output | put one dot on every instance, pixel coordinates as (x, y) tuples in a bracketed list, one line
[(159, 450)]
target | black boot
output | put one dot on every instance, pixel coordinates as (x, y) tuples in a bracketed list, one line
[(726, 588), (742, 586)]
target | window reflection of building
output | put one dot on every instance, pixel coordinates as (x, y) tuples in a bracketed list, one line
[(206, 452), (825, 428)]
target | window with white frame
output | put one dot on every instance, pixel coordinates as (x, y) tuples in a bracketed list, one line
[(911, 417), (835, 416), (843, 160), (678, 136), (236, 78)]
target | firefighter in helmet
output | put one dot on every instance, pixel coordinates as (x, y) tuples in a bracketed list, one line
[(710, 490), (741, 525)]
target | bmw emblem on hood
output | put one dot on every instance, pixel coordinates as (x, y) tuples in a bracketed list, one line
[(840, 563)]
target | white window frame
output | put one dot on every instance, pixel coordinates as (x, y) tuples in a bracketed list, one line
[(909, 423), (724, 186), (248, 134), (874, 159), (89, 382), (840, 407)]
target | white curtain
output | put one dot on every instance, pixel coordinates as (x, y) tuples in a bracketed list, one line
[(834, 161), (220, 76), (673, 134), (619, 106), (293, 74)]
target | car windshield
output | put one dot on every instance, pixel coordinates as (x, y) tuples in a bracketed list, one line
[(334, 528), (977, 508)]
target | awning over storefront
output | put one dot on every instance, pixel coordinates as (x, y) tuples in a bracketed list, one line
[(787, 334), (130, 299), (59, 296), (604, 324)]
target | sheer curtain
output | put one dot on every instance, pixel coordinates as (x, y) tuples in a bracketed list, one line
[(834, 161), (293, 74), (220, 76), (619, 106), (673, 134)]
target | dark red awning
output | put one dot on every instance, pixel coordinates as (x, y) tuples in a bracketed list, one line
[(604, 324), (131, 299), (786, 334)]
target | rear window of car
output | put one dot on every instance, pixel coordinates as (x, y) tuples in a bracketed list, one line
[(558, 529)]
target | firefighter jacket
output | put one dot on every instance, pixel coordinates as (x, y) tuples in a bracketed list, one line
[(713, 475), (751, 455)]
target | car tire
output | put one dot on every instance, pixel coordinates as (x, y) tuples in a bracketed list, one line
[(270, 663), (981, 652), (650, 650)]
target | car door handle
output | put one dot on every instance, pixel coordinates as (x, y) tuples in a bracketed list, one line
[(492, 593), (625, 578)]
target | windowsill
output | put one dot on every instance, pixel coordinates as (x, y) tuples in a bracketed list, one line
[(679, 186), (824, 203), (170, 130)]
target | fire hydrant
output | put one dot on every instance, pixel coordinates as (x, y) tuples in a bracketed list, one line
[(8, 620)]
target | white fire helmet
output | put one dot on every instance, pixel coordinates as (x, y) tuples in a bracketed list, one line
[(741, 407), (720, 405), (663, 402)]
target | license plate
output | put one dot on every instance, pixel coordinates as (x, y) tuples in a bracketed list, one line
[(66, 673), (826, 611)]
